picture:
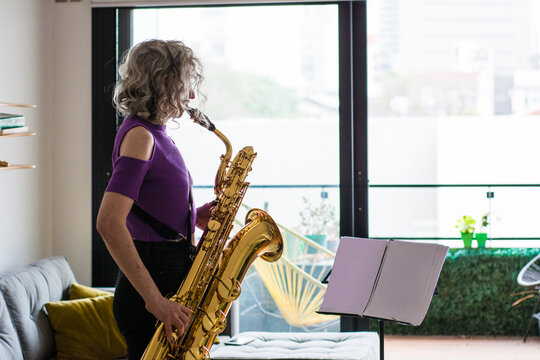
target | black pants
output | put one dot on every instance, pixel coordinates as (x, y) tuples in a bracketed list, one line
[(168, 264)]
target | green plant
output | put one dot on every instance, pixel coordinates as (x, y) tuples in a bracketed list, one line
[(319, 219), (466, 224)]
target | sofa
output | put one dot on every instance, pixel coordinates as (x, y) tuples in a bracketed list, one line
[(25, 331), (26, 325)]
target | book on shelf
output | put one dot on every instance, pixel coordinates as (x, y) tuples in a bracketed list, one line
[(384, 279), (11, 120), (14, 130)]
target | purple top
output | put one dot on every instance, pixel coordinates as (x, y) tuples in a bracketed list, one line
[(160, 185)]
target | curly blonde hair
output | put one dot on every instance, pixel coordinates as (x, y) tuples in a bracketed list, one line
[(156, 78)]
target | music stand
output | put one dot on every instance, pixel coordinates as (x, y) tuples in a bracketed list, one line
[(384, 280)]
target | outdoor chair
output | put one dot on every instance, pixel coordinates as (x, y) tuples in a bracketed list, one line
[(295, 280), (530, 276)]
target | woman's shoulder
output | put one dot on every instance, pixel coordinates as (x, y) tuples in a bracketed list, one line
[(137, 141)]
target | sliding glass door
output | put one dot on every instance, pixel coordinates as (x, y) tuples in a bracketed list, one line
[(289, 80), (272, 82)]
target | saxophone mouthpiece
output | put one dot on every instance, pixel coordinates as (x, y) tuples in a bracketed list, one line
[(198, 117)]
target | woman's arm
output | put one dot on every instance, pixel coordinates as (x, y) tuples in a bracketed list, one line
[(111, 224)]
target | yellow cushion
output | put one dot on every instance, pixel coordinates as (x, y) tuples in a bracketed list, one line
[(85, 329), (79, 291)]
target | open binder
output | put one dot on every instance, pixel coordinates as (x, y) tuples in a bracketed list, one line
[(383, 279)]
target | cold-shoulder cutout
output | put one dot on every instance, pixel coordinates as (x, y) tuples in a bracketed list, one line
[(138, 143)]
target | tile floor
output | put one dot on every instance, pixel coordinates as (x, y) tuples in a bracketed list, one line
[(456, 348)]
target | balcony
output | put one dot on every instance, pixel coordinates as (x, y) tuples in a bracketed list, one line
[(475, 289)]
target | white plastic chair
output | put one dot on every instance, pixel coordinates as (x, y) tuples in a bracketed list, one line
[(530, 276)]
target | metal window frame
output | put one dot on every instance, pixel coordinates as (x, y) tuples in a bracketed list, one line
[(106, 51), (180, 3)]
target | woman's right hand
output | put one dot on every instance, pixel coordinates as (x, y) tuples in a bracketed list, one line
[(171, 314)]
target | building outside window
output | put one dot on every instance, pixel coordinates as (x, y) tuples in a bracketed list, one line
[(454, 105)]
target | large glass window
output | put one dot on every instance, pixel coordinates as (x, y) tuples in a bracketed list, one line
[(454, 101), (272, 83)]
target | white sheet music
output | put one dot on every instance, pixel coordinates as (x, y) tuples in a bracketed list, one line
[(356, 270), (396, 284), (407, 281)]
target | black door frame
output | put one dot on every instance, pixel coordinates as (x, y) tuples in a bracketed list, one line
[(353, 130), (106, 51)]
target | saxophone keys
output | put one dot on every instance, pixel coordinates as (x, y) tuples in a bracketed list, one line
[(214, 323), (220, 323), (196, 354), (229, 289), (214, 225), (230, 192), (189, 355)]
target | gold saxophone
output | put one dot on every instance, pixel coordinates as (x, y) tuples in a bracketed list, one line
[(213, 282)]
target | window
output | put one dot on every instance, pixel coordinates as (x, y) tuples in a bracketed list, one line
[(454, 100), (271, 82)]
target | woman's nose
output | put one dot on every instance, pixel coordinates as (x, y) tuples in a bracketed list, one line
[(192, 94)]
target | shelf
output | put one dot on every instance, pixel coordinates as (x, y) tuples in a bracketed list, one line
[(3, 104), (27, 133), (17, 167), (19, 134)]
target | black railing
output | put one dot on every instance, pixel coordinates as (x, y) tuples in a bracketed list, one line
[(336, 186), (300, 186), (303, 186), (449, 185)]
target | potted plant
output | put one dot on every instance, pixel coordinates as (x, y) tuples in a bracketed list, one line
[(318, 222), (481, 236), (466, 228)]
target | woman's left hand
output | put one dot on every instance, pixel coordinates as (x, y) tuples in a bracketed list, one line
[(204, 213)]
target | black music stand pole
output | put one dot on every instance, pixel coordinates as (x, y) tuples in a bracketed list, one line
[(381, 339)]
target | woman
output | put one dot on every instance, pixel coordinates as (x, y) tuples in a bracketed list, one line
[(157, 79)]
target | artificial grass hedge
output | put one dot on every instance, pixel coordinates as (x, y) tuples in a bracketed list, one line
[(474, 296)]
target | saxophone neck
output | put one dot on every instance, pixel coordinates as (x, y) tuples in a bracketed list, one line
[(199, 118), (225, 161)]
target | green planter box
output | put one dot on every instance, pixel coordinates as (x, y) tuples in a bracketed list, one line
[(474, 296)]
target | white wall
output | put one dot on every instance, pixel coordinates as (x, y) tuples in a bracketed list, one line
[(25, 195), (46, 60), (71, 136)]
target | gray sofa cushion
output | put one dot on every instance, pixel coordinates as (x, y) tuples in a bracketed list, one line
[(9, 341), (25, 291), (289, 346)]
